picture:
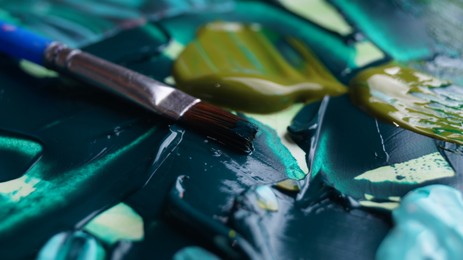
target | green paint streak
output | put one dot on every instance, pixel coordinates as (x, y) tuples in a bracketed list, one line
[(238, 66), (25, 147), (322, 152), (48, 194), (193, 252), (412, 100), (385, 33)]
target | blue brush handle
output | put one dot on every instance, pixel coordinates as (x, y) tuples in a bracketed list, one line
[(22, 44)]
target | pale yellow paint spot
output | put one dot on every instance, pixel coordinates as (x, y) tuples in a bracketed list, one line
[(174, 49), (429, 167), (319, 12), (381, 205), (120, 222), (18, 188), (367, 52)]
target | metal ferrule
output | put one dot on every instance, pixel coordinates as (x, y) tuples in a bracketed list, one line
[(147, 92)]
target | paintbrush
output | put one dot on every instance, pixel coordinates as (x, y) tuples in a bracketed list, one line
[(214, 122)]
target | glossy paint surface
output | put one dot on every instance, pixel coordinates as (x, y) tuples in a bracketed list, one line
[(412, 100), (87, 175), (250, 68), (367, 161)]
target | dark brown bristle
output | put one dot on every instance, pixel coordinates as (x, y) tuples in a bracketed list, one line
[(222, 126)]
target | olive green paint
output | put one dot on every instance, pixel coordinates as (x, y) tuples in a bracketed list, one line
[(242, 66), (412, 100)]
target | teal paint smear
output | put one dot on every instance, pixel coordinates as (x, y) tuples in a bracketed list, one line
[(274, 145), (234, 173), (17, 154), (396, 32), (194, 253), (442, 20), (79, 23), (95, 151), (48, 194), (427, 226), (76, 245)]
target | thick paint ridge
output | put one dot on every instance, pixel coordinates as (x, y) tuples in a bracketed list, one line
[(427, 226), (249, 68), (412, 100)]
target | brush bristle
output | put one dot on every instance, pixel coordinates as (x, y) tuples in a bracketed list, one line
[(222, 126)]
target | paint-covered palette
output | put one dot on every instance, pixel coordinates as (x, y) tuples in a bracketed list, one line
[(358, 151)]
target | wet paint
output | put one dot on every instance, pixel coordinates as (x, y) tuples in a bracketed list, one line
[(411, 100), (69, 165), (123, 154), (249, 68), (427, 226), (367, 160), (69, 245), (331, 49), (319, 228), (68, 146)]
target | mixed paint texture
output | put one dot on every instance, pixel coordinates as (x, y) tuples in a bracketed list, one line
[(79, 23), (412, 100), (260, 71), (366, 161), (87, 175), (427, 226)]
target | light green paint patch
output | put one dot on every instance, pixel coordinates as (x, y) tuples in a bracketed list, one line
[(120, 222), (366, 53), (389, 206), (170, 80), (15, 190), (266, 199), (394, 198), (370, 202), (429, 167), (319, 12), (36, 70), (279, 121), (53, 193), (369, 196), (174, 49)]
